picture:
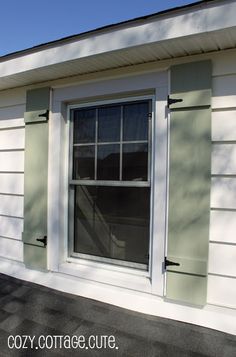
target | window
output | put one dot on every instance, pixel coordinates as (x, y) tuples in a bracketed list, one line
[(110, 183)]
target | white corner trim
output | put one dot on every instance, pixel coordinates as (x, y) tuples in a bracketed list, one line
[(218, 318)]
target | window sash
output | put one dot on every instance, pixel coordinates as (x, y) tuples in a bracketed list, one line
[(109, 183), (121, 142), (112, 231), (73, 183)]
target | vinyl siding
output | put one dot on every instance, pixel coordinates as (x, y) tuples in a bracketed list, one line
[(12, 137), (222, 251)]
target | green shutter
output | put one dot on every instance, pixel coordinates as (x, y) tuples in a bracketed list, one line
[(189, 182), (36, 177)]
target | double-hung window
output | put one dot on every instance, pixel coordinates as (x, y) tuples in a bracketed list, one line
[(110, 182)]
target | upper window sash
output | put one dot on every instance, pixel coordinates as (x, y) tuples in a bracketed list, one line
[(124, 147)]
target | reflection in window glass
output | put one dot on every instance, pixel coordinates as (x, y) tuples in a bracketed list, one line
[(108, 162), (109, 222), (135, 162), (135, 125), (84, 126), (83, 162), (109, 124), (111, 204)]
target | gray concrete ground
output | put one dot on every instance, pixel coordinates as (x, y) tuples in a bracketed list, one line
[(30, 309)]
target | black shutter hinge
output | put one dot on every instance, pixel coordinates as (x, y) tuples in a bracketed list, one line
[(172, 101), (43, 240), (169, 263), (44, 115)]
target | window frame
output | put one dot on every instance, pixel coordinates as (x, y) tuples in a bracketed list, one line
[(80, 257)]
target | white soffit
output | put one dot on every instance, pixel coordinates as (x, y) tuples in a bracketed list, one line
[(203, 28)]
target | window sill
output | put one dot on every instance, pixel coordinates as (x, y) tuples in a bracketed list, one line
[(123, 277)]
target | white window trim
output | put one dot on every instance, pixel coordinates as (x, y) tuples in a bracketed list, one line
[(124, 277)]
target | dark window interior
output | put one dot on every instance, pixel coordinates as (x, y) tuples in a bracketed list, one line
[(111, 147)]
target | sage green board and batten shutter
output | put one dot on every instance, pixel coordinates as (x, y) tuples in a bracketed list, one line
[(189, 182), (36, 177)]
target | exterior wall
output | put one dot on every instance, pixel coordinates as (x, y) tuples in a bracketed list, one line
[(222, 252), (12, 107)]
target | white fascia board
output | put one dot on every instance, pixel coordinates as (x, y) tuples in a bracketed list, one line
[(202, 19)]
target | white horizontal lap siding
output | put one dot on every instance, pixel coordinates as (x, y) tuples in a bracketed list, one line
[(223, 226), (12, 139), (12, 161), (224, 94), (223, 159), (11, 227), (11, 205), (223, 192), (224, 63), (224, 125), (222, 248), (221, 291), (11, 249), (222, 259), (12, 116), (12, 97), (12, 142), (12, 183)]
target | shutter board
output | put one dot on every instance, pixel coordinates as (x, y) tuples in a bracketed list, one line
[(189, 182), (36, 177), (193, 76), (191, 83), (35, 257), (192, 99), (35, 201), (36, 116), (188, 266), (186, 288), (37, 105), (37, 99)]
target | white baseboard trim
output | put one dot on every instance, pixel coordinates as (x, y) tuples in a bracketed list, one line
[(214, 317)]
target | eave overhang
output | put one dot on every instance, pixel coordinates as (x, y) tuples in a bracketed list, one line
[(201, 28)]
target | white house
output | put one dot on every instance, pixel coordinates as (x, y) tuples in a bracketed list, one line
[(118, 164)]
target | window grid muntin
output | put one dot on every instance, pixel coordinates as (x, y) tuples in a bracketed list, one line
[(121, 143), (114, 142)]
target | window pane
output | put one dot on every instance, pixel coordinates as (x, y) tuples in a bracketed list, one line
[(83, 162), (135, 124), (135, 162), (109, 124), (108, 163), (109, 222), (84, 126)]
